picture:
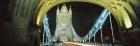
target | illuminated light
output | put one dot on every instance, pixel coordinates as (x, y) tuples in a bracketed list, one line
[(126, 18), (45, 5), (101, 23), (129, 9), (64, 29), (127, 21), (80, 44), (64, 8), (49, 4), (123, 17), (46, 29), (44, 8)]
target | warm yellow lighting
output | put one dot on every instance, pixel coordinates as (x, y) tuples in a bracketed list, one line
[(45, 5), (121, 18), (126, 18)]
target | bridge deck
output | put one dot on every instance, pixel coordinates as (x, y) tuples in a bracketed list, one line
[(79, 44)]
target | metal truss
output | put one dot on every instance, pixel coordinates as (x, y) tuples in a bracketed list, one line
[(98, 24), (46, 29)]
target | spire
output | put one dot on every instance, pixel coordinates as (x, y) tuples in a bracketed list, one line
[(57, 9), (64, 8), (70, 10)]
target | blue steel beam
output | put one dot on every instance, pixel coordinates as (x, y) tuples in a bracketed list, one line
[(98, 24), (46, 28)]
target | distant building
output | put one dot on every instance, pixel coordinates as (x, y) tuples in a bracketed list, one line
[(64, 29)]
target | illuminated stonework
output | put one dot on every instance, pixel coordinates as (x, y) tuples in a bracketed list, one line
[(63, 30)]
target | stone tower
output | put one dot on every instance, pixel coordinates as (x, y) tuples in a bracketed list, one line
[(64, 29)]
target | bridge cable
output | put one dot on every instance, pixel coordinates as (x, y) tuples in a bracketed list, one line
[(94, 38), (101, 34), (111, 28)]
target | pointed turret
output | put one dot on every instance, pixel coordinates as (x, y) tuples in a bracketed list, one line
[(57, 12), (70, 10), (64, 29), (64, 8)]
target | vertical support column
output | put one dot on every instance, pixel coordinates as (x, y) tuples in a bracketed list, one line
[(94, 38), (89, 38), (111, 28), (101, 34), (43, 36)]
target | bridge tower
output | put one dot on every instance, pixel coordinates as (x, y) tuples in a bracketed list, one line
[(64, 26)]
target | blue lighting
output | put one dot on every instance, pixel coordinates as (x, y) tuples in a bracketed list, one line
[(98, 24), (46, 27)]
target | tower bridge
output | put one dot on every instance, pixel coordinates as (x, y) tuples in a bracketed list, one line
[(29, 19), (64, 29)]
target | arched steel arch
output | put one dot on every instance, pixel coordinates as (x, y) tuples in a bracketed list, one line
[(98, 24), (24, 11), (116, 7)]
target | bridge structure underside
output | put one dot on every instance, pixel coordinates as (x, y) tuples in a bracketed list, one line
[(25, 11), (95, 28)]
